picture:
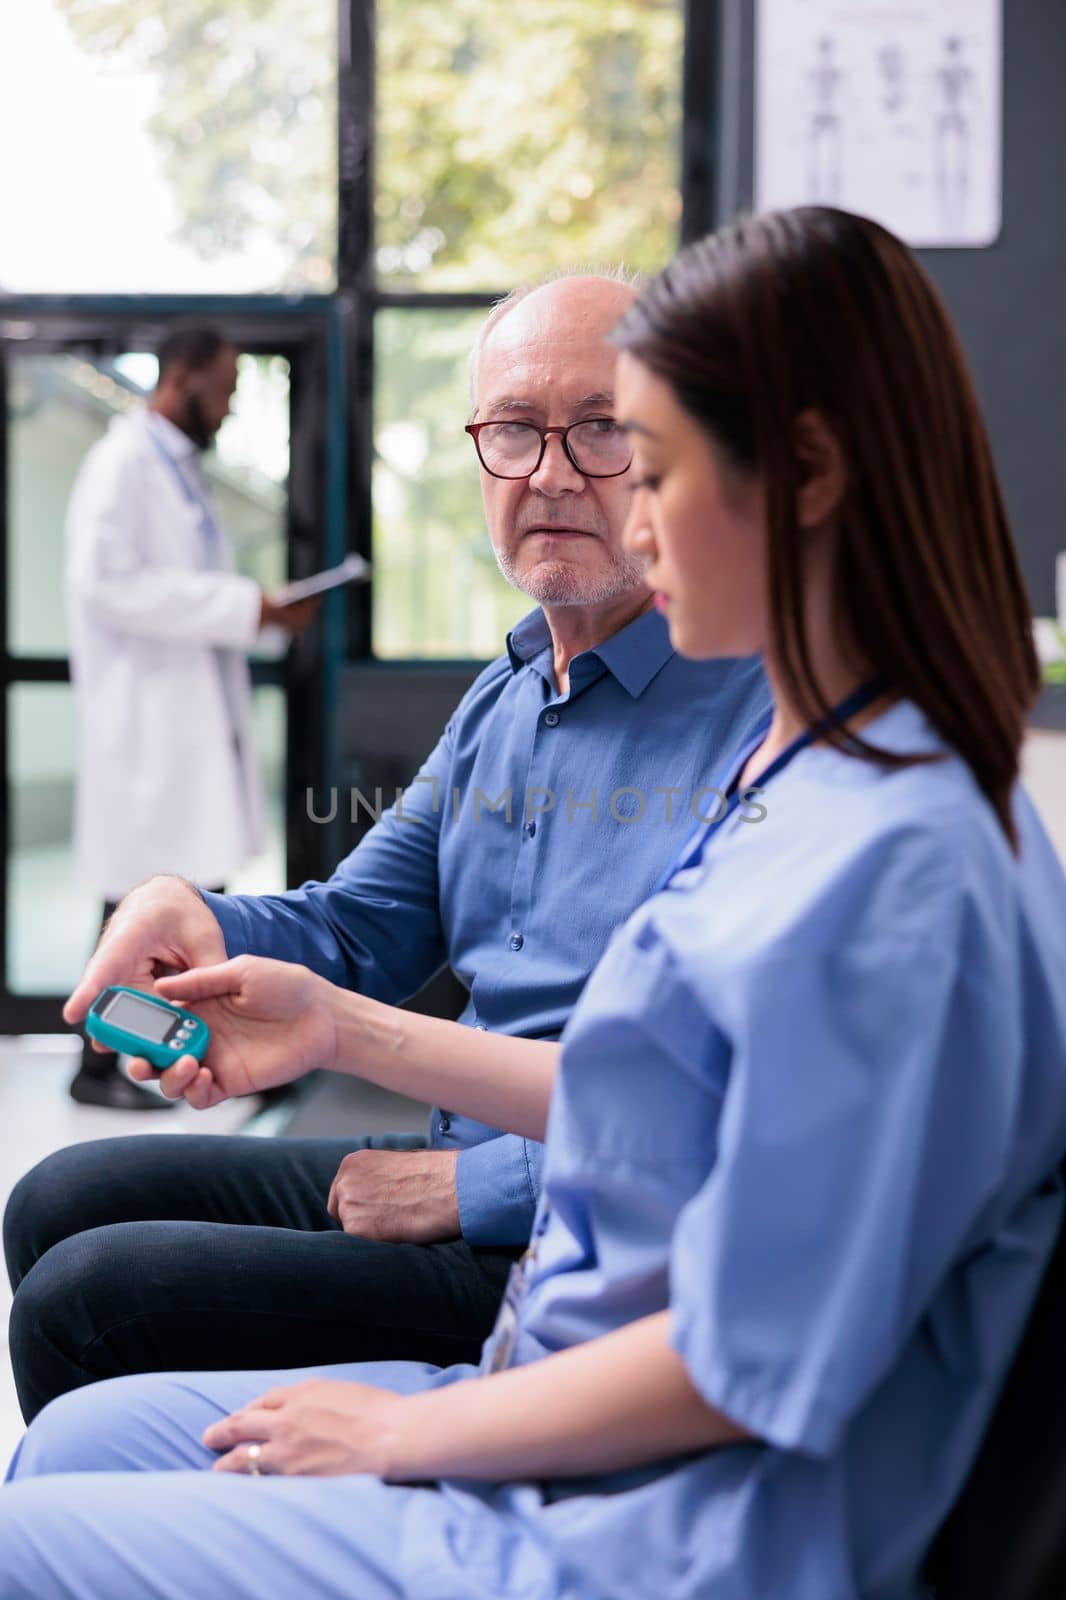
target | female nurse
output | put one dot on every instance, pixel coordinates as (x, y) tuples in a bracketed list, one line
[(804, 1124)]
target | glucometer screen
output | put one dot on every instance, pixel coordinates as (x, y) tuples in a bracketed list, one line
[(140, 1017)]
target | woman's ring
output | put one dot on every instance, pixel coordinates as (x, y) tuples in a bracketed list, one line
[(254, 1452)]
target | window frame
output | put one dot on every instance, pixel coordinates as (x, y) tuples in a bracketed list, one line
[(333, 335), (349, 310), (99, 325), (698, 181)]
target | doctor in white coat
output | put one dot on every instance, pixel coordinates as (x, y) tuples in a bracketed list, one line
[(160, 623)]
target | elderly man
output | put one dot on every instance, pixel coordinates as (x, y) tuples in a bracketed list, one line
[(559, 792)]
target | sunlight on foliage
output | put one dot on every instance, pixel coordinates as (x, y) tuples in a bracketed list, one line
[(513, 139)]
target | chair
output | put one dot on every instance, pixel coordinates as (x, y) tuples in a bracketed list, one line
[(1005, 1538)]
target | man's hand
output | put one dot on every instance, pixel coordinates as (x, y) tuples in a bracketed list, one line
[(164, 926), (397, 1196), (319, 1428), (294, 617)]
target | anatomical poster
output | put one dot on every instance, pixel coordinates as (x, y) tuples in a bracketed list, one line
[(893, 110)]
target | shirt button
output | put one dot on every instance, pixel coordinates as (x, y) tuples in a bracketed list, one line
[(531, 828), (482, 1027), (444, 1124), (551, 718), (516, 941)]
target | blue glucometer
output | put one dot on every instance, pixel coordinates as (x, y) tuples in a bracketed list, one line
[(141, 1025)]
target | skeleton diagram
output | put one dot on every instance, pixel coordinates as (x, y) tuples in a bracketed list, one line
[(824, 128), (892, 61), (953, 80)]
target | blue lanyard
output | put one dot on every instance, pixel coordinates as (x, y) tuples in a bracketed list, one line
[(696, 843), (499, 1349), (208, 525)]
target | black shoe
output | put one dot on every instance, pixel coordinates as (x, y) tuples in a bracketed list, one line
[(114, 1089)]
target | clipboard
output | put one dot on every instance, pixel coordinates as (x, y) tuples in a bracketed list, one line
[(353, 569)]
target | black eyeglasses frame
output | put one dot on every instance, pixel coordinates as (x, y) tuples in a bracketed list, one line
[(474, 430)]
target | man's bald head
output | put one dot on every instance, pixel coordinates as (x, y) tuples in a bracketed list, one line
[(614, 290)]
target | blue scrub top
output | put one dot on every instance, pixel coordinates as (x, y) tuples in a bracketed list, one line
[(812, 1101)]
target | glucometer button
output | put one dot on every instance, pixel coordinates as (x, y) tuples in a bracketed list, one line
[(175, 1044)]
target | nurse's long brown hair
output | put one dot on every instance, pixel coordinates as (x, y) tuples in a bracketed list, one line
[(818, 309)]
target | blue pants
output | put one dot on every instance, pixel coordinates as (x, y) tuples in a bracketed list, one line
[(110, 1497), (88, 1515)]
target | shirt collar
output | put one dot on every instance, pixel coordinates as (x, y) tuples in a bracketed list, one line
[(177, 445), (632, 656)]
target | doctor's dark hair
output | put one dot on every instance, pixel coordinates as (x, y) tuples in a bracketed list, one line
[(816, 309), (191, 347)]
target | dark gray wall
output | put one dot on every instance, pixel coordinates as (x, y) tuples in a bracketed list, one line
[(1009, 301)]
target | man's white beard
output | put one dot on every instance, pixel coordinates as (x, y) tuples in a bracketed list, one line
[(561, 583)]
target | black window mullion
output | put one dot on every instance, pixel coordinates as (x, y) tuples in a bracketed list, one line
[(699, 119), (437, 299), (355, 144), (5, 763), (356, 291)]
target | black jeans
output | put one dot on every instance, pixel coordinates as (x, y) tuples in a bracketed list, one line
[(181, 1253)]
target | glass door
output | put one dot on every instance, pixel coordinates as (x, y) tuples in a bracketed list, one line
[(62, 390)]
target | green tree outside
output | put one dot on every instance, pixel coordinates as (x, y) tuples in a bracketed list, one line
[(514, 139)]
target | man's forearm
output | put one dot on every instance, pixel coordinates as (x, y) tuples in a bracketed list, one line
[(616, 1402), (504, 1082), (281, 927)]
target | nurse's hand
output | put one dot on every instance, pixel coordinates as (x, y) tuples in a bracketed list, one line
[(164, 926), (271, 1022), (320, 1428)]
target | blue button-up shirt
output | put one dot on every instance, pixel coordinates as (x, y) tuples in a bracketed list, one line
[(532, 831)]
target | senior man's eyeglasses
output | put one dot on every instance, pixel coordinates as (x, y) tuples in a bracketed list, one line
[(597, 447)]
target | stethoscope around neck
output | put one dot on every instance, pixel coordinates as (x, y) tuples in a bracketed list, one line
[(208, 526)]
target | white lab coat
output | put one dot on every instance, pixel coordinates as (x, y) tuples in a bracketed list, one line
[(161, 787)]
